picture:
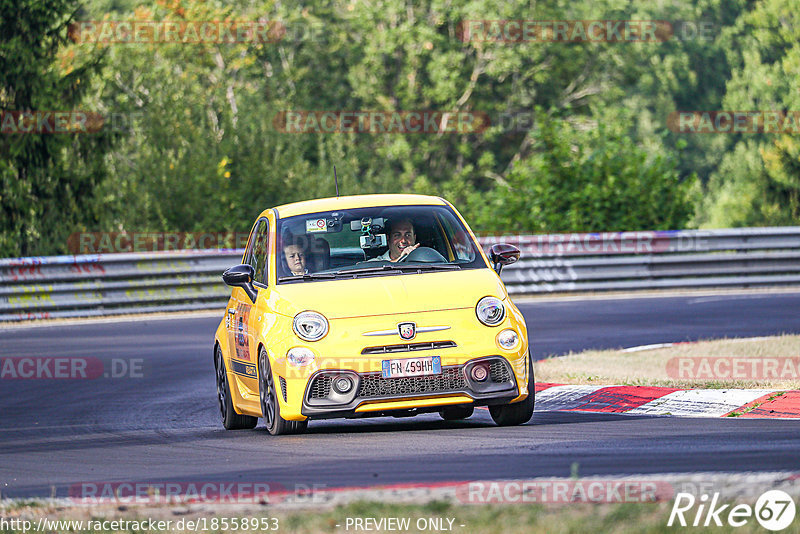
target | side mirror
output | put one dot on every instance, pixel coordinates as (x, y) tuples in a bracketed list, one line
[(503, 254), (241, 276)]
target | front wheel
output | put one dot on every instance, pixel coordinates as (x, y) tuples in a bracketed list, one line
[(518, 413), (230, 419), (270, 408)]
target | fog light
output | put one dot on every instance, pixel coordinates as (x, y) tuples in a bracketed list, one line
[(480, 372), (342, 384), (507, 339)]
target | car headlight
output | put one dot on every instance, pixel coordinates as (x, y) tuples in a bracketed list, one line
[(300, 356), (490, 311), (507, 339), (310, 326)]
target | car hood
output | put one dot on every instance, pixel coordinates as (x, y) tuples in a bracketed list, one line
[(385, 295)]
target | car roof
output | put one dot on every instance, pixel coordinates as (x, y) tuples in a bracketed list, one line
[(355, 201)]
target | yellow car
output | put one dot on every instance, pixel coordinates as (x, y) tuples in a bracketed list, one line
[(364, 306)]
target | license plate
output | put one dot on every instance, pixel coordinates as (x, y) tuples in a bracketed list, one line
[(430, 365)]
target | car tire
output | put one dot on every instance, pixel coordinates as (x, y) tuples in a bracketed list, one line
[(270, 407), (230, 419), (517, 413), (298, 427), (455, 413)]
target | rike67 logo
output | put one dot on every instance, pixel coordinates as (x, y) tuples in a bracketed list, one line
[(774, 510)]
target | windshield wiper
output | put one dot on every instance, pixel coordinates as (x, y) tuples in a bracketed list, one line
[(401, 267), (308, 276), (357, 270), (393, 268), (430, 266)]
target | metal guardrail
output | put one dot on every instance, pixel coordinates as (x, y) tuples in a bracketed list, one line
[(743, 257), (109, 284)]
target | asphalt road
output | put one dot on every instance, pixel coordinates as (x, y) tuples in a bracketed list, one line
[(164, 427), (563, 326)]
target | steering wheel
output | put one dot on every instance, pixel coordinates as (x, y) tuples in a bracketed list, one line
[(424, 255)]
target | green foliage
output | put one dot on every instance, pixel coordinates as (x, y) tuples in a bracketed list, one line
[(593, 153), (586, 178), (48, 179), (758, 180)]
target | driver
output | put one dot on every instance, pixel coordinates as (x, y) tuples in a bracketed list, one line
[(295, 259), (402, 241)]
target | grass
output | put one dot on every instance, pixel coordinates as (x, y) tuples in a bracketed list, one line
[(649, 367), (756, 405), (479, 519)]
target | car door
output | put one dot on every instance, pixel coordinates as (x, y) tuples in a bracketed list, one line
[(259, 259), (240, 333)]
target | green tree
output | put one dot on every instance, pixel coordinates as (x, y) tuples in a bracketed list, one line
[(758, 180), (47, 180), (586, 180), (205, 153)]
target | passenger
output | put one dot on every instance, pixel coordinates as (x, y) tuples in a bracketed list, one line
[(295, 259), (461, 247), (402, 241)]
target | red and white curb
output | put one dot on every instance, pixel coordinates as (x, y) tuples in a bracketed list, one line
[(646, 400)]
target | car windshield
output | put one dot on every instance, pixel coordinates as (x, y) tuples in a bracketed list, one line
[(376, 241)]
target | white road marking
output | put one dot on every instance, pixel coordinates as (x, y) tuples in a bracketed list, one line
[(700, 402), (563, 397)]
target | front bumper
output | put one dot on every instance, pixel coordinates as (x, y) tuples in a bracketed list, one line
[(373, 395)]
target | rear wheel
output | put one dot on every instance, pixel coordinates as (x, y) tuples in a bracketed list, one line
[(230, 419), (454, 413), (518, 413), (270, 408)]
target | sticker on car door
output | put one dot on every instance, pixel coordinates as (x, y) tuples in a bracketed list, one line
[(241, 331)]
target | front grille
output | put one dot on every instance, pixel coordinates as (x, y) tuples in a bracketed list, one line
[(374, 385), (409, 347), (320, 388), (499, 372), (283, 387)]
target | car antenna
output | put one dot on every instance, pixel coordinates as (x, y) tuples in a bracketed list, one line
[(336, 181)]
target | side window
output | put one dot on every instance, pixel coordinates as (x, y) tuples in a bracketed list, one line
[(258, 251), (460, 241), (248, 254)]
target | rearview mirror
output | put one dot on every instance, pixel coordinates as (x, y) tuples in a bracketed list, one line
[(375, 225), (241, 276), (503, 254)]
